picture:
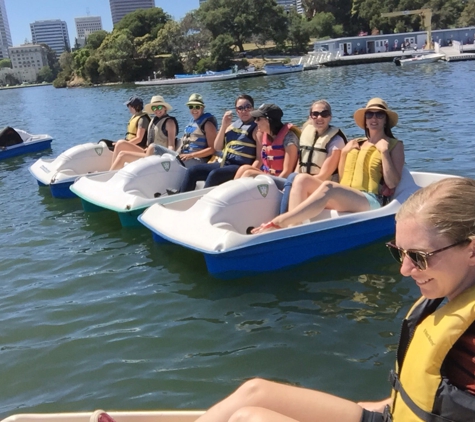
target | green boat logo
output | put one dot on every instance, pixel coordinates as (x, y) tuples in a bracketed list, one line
[(166, 165), (263, 190), (99, 150)]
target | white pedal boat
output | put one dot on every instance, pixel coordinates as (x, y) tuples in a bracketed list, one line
[(131, 189), (60, 173), (214, 222), (122, 416), (15, 142)]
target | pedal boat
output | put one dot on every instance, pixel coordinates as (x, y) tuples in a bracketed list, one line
[(15, 142), (61, 172), (132, 189), (215, 222), (121, 416)]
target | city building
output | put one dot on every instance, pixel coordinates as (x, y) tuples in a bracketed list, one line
[(86, 25), (5, 35), (286, 4), (202, 1), (120, 8), (299, 6), (27, 60), (53, 32)]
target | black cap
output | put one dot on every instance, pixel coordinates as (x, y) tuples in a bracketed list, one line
[(268, 110), (135, 102)]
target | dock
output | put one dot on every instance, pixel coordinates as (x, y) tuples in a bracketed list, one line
[(458, 53)]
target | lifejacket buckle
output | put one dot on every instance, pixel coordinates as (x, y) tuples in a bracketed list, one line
[(387, 417)]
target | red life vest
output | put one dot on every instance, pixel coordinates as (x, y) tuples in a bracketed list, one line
[(273, 152)]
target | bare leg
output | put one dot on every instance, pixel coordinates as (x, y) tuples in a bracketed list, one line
[(242, 170), (260, 400), (123, 145), (329, 195), (126, 157), (302, 187)]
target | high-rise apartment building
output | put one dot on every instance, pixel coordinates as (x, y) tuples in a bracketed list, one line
[(299, 6), (53, 32), (286, 4), (120, 8), (87, 25), (5, 35)]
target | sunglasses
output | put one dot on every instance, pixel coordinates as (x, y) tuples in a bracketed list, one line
[(158, 107), (379, 114), (324, 114), (418, 258), (194, 107), (244, 107)]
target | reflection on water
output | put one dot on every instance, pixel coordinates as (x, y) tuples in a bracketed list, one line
[(98, 316)]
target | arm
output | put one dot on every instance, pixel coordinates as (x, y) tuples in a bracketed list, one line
[(171, 130), (219, 141), (376, 406), (329, 165), (257, 136), (393, 162), (290, 159)]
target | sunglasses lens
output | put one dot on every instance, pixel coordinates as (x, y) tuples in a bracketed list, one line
[(418, 260), (395, 252)]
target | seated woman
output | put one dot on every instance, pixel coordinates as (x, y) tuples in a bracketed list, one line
[(364, 164), (161, 135), (280, 143), (435, 368), (239, 140), (320, 150), (200, 133)]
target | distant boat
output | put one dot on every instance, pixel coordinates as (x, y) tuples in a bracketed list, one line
[(280, 68), (15, 142), (420, 58)]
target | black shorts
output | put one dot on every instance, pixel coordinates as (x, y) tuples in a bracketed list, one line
[(368, 416)]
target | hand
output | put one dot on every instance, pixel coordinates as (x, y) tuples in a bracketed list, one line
[(353, 144), (186, 157), (382, 145), (227, 118)]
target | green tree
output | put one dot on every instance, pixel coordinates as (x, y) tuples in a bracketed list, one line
[(11, 79), (45, 75), (94, 40), (5, 63), (324, 25), (221, 52), (172, 65), (79, 59), (91, 70), (467, 17), (143, 22), (298, 32), (52, 59), (241, 19), (116, 54)]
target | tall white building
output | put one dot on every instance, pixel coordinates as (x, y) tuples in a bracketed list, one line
[(53, 32), (286, 4), (5, 35), (120, 8), (298, 5), (87, 25), (27, 61)]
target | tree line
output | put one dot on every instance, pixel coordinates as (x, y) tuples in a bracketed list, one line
[(148, 42)]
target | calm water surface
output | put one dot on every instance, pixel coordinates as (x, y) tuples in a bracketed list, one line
[(97, 316)]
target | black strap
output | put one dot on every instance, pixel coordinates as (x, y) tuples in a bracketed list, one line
[(420, 413)]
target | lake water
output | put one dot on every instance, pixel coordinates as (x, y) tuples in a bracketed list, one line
[(97, 316)]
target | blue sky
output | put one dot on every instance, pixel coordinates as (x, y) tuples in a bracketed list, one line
[(22, 12)]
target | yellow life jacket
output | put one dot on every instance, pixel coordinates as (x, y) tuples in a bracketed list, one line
[(420, 390), (133, 125), (363, 168), (313, 148)]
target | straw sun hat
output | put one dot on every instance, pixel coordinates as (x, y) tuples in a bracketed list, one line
[(375, 104), (155, 101)]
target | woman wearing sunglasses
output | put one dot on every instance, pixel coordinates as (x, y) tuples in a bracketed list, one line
[(320, 150), (368, 167), (238, 140), (161, 135), (435, 369), (280, 144), (200, 133)]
